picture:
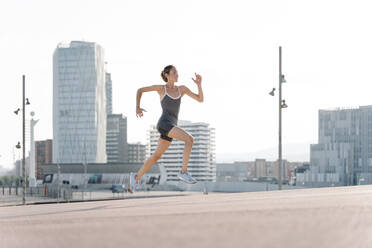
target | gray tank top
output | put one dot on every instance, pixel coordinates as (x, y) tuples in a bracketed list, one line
[(170, 106)]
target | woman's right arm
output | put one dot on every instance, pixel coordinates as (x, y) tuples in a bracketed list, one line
[(154, 87)]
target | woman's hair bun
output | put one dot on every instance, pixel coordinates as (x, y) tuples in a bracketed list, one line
[(163, 76), (166, 70)]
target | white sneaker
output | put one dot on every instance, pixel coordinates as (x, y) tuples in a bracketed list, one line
[(132, 182), (186, 177)]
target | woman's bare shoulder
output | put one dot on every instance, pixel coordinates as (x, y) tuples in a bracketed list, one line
[(182, 86), (153, 87)]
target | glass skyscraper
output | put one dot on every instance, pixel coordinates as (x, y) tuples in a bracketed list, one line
[(79, 103)]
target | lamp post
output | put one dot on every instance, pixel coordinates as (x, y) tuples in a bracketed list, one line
[(23, 140), (282, 105), (25, 102)]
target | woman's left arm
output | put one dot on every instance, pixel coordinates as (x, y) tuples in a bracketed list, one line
[(199, 97)]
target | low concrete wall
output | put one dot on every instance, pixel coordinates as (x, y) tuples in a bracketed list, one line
[(223, 186), (200, 187)]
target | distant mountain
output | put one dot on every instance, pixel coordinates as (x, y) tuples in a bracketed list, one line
[(291, 152)]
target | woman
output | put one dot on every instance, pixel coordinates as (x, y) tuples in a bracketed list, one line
[(170, 99)]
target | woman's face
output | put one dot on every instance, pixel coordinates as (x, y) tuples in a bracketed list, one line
[(173, 75)]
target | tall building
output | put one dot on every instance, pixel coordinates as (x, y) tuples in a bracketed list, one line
[(137, 153), (343, 155), (108, 93), (19, 169), (116, 140), (44, 155), (287, 168), (202, 162), (260, 168), (79, 103)]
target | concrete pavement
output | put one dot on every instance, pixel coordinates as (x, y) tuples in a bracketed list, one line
[(324, 217)]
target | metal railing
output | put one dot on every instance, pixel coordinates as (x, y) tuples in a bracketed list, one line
[(51, 193)]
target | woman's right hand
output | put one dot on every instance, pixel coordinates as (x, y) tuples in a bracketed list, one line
[(139, 112)]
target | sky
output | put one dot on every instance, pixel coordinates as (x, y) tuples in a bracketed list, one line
[(232, 44)]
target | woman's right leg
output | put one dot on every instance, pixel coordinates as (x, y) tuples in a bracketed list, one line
[(181, 134), (162, 147)]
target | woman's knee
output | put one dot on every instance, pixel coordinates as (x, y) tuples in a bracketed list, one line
[(189, 139)]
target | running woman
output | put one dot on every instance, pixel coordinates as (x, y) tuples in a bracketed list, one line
[(170, 99)]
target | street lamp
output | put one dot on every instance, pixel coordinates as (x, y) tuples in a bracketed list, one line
[(283, 79), (272, 92), (25, 102), (282, 105)]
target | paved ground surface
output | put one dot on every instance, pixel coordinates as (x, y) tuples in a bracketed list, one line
[(326, 217)]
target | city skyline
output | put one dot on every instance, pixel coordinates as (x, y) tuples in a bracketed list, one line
[(325, 60)]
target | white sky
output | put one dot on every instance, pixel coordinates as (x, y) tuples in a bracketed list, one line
[(327, 57)]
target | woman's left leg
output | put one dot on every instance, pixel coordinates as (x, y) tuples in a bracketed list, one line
[(181, 134)]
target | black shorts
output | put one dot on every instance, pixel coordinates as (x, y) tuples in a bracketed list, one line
[(164, 134), (164, 126)]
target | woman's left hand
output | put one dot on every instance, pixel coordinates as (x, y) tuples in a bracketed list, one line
[(198, 79)]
